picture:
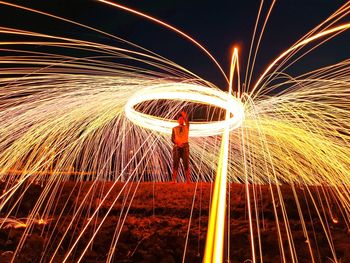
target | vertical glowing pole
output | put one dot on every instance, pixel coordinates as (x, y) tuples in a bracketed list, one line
[(214, 247)]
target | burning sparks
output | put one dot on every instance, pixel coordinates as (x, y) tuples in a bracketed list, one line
[(90, 119), (16, 223)]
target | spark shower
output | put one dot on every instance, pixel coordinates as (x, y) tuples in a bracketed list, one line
[(106, 117)]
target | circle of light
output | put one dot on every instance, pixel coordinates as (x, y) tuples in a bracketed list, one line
[(189, 93)]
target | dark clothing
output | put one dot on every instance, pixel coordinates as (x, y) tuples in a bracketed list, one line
[(181, 153)]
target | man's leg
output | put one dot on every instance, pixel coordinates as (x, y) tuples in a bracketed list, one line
[(186, 161), (174, 175), (187, 173), (176, 160)]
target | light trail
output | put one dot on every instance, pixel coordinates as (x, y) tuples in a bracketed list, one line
[(20, 222), (96, 118), (187, 93), (296, 46), (181, 33), (214, 248)]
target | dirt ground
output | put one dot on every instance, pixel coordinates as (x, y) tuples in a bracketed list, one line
[(158, 218)]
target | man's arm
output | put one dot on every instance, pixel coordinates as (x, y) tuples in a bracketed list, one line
[(185, 116)]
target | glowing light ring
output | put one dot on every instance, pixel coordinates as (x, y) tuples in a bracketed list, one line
[(190, 93)]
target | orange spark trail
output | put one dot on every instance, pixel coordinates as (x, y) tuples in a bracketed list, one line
[(300, 44), (162, 23)]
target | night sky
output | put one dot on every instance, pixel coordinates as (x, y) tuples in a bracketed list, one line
[(218, 25)]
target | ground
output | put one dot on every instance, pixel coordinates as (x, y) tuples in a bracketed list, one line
[(156, 226)]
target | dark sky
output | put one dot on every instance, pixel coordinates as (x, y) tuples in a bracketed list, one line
[(218, 25)]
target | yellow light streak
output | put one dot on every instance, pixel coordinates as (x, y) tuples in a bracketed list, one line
[(214, 247)]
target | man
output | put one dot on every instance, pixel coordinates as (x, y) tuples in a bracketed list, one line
[(181, 149)]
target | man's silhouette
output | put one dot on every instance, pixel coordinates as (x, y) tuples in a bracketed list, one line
[(181, 149)]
